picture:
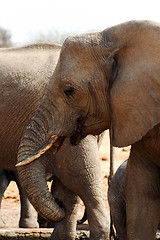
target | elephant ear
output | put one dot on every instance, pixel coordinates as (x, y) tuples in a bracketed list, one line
[(135, 92)]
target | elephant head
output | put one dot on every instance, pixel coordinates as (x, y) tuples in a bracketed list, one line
[(108, 79)]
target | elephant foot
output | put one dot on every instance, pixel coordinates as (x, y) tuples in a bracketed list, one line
[(61, 237), (60, 233), (28, 223), (99, 236), (43, 223)]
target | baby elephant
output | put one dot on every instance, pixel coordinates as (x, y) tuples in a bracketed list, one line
[(116, 199)]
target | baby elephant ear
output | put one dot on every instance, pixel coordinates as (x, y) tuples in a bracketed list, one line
[(135, 100)]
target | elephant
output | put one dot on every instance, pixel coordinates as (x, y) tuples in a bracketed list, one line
[(18, 76), (24, 76), (83, 219), (117, 201), (108, 79), (27, 219)]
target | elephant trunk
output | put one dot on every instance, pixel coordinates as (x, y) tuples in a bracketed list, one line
[(36, 140), (33, 180), (38, 137)]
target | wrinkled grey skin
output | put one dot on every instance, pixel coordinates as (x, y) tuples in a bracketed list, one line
[(27, 219), (117, 201), (77, 171), (110, 80), (24, 73), (23, 78)]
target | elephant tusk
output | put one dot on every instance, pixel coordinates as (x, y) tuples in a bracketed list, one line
[(53, 140)]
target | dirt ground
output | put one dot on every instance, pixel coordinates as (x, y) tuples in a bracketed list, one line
[(11, 202)]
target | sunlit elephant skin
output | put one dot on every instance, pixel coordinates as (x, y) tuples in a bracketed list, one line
[(117, 201), (24, 76), (24, 73), (109, 80), (143, 186), (77, 172)]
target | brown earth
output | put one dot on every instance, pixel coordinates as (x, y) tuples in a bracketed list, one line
[(11, 201)]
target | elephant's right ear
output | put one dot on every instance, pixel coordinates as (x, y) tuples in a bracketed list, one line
[(135, 91)]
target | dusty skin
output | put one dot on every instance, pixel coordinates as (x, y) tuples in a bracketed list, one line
[(11, 202)]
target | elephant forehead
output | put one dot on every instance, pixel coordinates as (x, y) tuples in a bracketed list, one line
[(78, 67), (83, 40)]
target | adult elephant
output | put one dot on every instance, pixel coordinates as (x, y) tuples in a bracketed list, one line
[(24, 73), (110, 79)]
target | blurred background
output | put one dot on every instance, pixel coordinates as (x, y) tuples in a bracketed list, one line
[(28, 21)]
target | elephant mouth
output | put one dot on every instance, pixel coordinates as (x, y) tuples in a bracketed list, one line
[(84, 129), (76, 138), (56, 142), (78, 135)]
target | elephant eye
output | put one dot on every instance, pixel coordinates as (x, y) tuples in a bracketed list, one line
[(69, 91)]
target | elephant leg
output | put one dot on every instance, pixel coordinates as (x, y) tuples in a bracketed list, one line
[(42, 222), (65, 229), (80, 172), (97, 219), (142, 196), (4, 182), (117, 201), (88, 187), (118, 213), (27, 219)]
